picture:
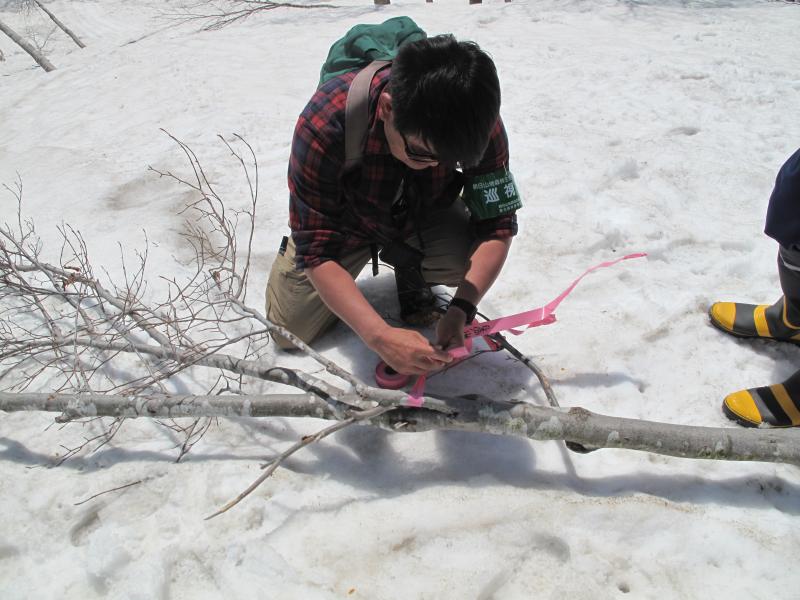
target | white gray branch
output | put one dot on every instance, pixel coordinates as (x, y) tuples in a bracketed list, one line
[(60, 25), (33, 52), (465, 414)]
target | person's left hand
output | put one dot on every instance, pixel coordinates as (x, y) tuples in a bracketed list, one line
[(450, 329)]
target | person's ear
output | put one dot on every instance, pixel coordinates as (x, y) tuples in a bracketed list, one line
[(385, 106)]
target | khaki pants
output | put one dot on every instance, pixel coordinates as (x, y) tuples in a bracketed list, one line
[(293, 302)]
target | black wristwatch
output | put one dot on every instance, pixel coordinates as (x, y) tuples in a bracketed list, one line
[(467, 307)]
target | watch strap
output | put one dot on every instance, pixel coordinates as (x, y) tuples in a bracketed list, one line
[(466, 306)]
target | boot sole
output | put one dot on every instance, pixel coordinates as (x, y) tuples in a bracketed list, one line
[(734, 417), (745, 423)]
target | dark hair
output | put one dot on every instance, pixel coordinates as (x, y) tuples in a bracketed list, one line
[(447, 93)]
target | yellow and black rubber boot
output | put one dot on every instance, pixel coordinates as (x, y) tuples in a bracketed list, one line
[(780, 321), (773, 406)]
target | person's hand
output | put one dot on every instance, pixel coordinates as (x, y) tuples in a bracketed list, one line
[(409, 352), (450, 329)]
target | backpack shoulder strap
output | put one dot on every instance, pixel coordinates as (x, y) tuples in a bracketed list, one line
[(356, 114)]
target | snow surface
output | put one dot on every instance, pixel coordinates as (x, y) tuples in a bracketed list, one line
[(652, 126)]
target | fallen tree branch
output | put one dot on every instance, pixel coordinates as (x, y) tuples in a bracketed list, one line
[(33, 52), (473, 414), (64, 330), (60, 25)]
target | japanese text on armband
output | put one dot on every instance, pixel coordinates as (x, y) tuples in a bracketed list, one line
[(491, 195)]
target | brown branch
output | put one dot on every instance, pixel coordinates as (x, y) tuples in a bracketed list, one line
[(116, 489)]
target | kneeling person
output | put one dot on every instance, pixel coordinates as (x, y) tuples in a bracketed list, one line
[(434, 130)]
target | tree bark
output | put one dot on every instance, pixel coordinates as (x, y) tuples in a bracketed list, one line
[(465, 414), (35, 54), (61, 26)]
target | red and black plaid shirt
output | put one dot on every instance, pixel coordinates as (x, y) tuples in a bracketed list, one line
[(328, 222)]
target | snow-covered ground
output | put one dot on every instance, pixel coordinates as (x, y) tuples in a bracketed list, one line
[(635, 126)]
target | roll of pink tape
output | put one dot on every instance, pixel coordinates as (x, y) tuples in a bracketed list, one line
[(387, 378)]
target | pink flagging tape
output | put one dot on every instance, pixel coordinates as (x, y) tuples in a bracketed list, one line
[(538, 316), (544, 315), (389, 380), (417, 392)]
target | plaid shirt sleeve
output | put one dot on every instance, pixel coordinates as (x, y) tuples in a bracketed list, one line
[(317, 155), (495, 159)]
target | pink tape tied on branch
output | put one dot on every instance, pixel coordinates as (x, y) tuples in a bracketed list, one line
[(544, 315)]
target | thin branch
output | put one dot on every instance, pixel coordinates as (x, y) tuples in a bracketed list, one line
[(224, 17), (116, 489), (543, 381), (272, 466)]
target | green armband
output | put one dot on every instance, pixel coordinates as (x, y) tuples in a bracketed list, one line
[(491, 195)]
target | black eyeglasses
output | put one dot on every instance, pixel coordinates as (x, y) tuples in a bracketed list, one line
[(420, 157)]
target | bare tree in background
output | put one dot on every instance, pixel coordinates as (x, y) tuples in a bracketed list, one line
[(384, 2), (107, 351), (59, 24), (40, 41), (29, 48), (218, 15), (36, 46)]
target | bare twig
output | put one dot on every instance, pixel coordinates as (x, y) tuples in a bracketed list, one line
[(238, 10), (116, 489), (302, 443)]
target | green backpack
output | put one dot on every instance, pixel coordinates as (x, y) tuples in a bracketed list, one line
[(364, 44), (368, 48)]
